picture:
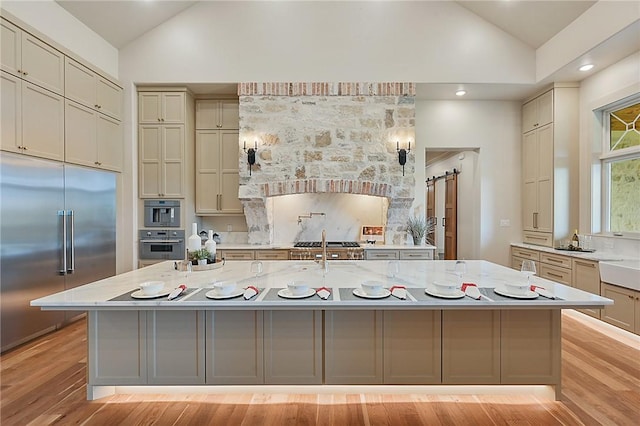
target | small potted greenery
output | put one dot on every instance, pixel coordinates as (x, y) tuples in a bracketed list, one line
[(201, 256), (419, 227)]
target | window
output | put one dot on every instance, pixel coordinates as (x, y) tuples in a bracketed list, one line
[(621, 169)]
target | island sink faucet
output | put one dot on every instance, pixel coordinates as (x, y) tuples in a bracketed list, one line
[(324, 249)]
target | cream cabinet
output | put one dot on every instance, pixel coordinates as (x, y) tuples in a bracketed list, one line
[(549, 166), (31, 59), (518, 254), (235, 254), (586, 276), (212, 114), (217, 172), (91, 138), (625, 311), (161, 107), (32, 119), (161, 160), (92, 90), (555, 268), (537, 112)]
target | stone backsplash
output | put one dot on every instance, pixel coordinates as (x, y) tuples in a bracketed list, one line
[(326, 138)]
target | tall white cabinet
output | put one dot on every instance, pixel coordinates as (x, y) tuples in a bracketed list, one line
[(550, 166)]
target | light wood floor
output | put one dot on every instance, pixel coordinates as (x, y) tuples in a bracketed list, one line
[(43, 383)]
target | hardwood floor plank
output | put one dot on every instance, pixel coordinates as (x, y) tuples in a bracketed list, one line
[(44, 382)]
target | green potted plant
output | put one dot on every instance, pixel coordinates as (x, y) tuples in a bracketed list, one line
[(201, 256), (419, 227)]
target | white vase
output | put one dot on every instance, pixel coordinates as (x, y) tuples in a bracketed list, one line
[(211, 245), (194, 241), (202, 262)]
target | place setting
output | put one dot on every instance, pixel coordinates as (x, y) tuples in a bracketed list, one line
[(299, 290), (517, 289), (374, 290), (153, 290)]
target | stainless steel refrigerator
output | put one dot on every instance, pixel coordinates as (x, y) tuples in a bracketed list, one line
[(57, 231)]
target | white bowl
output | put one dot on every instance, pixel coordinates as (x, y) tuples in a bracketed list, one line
[(446, 287), (515, 287), (224, 288), (149, 288), (298, 288), (373, 288)]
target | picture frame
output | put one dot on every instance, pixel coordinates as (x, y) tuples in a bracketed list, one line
[(372, 233)]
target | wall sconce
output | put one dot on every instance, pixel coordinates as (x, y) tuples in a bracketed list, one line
[(251, 154), (402, 154)]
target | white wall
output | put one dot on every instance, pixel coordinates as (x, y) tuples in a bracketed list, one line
[(495, 128)]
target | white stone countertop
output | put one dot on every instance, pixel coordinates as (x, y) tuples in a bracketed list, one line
[(288, 246), (599, 256), (346, 275)]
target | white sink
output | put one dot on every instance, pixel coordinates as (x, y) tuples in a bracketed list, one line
[(625, 273)]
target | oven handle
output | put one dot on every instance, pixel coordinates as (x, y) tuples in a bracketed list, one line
[(161, 241)]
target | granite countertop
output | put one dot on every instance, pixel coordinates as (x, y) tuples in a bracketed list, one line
[(288, 246), (599, 256), (342, 277)]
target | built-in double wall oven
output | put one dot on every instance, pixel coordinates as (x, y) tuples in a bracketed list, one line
[(160, 240)]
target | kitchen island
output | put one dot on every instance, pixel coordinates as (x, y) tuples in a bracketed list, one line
[(344, 340)]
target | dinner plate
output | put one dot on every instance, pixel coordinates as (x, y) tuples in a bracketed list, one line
[(288, 295), (504, 292), (212, 294), (140, 295), (459, 294), (360, 293)]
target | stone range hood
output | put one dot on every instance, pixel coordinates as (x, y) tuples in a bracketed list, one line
[(318, 138)]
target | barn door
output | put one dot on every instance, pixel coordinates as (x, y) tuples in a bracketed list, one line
[(451, 217), (431, 210)]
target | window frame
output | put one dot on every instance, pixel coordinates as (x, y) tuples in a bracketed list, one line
[(607, 157)]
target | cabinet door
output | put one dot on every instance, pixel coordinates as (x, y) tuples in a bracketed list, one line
[(173, 173), (416, 254), (353, 347), (530, 181), (42, 64), (207, 171), (80, 134), (109, 143), (229, 114), (381, 254), (622, 312), (79, 83), (530, 346), (529, 116), (207, 114), (175, 342), (234, 347), (637, 313), (230, 175), (412, 347), (108, 98), (293, 347), (173, 107), (470, 347), (150, 154), (11, 93), (545, 108), (11, 48), (149, 107), (586, 277), (545, 179), (117, 348), (42, 122)]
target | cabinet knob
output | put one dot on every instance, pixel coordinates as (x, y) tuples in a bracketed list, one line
[(96, 106), (25, 73), (159, 119)]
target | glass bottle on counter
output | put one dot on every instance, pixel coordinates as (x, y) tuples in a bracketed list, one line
[(194, 242), (575, 241)]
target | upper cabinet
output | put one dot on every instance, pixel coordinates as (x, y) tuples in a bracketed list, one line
[(550, 166), (213, 114), (538, 112), (161, 108), (31, 59), (92, 90)]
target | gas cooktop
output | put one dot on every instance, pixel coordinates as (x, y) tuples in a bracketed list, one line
[(332, 244)]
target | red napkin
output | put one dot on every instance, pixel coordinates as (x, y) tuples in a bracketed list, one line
[(399, 291), (471, 290), (250, 291), (323, 293), (542, 292), (177, 292)]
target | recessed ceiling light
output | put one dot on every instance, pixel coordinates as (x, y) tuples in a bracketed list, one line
[(586, 67), (461, 92)]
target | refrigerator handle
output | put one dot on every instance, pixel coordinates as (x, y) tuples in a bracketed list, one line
[(63, 258), (72, 239)]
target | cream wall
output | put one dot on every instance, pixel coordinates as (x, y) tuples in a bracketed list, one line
[(494, 128)]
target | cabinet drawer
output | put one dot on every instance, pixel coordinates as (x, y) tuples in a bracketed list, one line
[(272, 255), (555, 260), (525, 253), (381, 254), (516, 263), (537, 238), (416, 254), (555, 273), (237, 254)]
